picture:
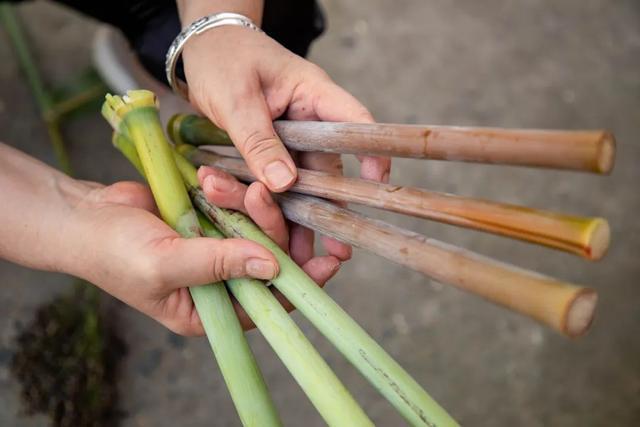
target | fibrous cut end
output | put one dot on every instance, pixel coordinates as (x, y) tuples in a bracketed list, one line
[(581, 313), (140, 98), (110, 110), (116, 107), (607, 153), (599, 238)]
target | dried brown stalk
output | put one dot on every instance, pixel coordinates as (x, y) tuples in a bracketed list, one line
[(564, 307), (587, 237), (585, 150)]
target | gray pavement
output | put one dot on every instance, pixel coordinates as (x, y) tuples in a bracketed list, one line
[(534, 63)]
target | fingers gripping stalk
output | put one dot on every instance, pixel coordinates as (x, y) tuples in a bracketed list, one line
[(136, 116)]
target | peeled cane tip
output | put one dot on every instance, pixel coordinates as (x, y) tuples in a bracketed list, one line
[(599, 238), (110, 115), (114, 109), (607, 153), (141, 98), (581, 313), (113, 101)]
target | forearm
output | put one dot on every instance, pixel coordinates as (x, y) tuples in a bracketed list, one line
[(190, 10), (37, 212)]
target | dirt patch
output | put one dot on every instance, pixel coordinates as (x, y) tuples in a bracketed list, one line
[(67, 361)]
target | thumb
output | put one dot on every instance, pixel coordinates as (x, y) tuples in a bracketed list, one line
[(197, 261), (250, 127)]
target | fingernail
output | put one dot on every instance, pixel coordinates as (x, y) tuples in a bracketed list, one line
[(223, 185), (213, 183), (260, 268), (385, 177), (207, 184), (278, 174)]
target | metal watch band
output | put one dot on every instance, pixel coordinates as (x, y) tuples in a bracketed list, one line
[(197, 27)]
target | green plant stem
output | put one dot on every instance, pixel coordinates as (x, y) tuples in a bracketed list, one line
[(79, 99), (42, 97), (21, 47), (402, 391), (328, 395), (128, 150), (315, 377), (139, 120)]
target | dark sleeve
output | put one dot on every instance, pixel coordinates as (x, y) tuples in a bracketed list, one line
[(150, 26)]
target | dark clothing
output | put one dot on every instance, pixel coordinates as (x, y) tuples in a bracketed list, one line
[(151, 25)]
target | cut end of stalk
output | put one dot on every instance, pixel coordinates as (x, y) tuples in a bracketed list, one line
[(110, 110), (581, 313), (599, 237), (607, 153), (116, 107), (140, 98), (173, 128)]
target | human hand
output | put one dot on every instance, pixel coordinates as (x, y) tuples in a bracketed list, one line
[(256, 201), (122, 246), (111, 236), (129, 252), (243, 80)]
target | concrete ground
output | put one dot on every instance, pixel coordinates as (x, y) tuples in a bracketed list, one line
[(534, 63)]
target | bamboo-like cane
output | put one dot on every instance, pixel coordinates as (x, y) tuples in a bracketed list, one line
[(584, 150), (402, 391), (587, 237), (564, 307), (136, 117), (325, 391)]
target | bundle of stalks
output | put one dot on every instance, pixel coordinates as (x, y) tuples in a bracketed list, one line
[(584, 236), (305, 364), (563, 306), (135, 119)]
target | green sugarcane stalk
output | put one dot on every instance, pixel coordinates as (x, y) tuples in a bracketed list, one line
[(128, 150), (194, 130), (136, 116), (325, 391), (402, 391), (315, 377)]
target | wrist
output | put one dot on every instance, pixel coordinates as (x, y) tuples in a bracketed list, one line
[(38, 211), (74, 192), (196, 38), (191, 10), (70, 253), (222, 38)]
